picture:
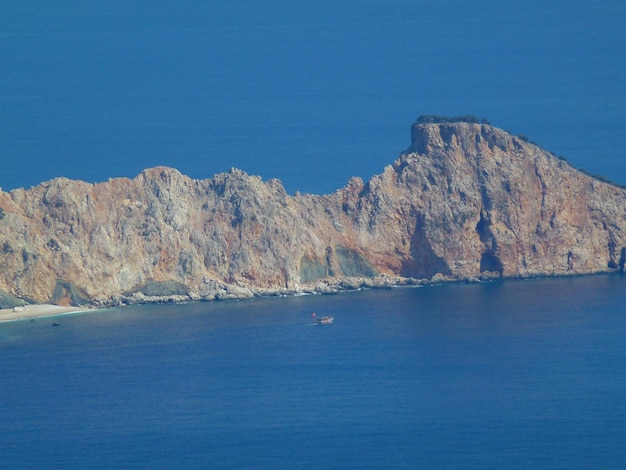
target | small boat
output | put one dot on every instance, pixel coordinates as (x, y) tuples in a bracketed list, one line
[(322, 320)]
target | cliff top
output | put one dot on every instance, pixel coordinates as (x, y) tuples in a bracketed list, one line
[(437, 119)]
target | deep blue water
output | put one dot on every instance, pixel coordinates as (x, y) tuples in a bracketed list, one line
[(308, 92), (514, 374), (500, 375)]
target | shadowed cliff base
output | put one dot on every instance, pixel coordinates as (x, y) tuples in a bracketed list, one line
[(424, 262), (465, 201)]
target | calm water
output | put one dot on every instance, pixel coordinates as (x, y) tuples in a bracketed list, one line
[(517, 374), (504, 375), (308, 92)]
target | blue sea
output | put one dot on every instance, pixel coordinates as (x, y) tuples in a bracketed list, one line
[(513, 374), (310, 92), (509, 374)]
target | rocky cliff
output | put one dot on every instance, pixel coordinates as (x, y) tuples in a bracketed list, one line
[(464, 201)]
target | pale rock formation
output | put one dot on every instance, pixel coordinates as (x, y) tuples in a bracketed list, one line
[(465, 201)]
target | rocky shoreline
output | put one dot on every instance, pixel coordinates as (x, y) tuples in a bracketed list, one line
[(224, 292), (217, 291)]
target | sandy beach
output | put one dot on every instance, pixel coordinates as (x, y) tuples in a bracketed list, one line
[(36, 311)]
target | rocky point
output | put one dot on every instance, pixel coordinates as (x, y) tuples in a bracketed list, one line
[(465, 201)]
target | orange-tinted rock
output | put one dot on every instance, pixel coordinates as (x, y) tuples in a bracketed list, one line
[(465, 201)]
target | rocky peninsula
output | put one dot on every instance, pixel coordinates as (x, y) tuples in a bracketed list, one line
[(464, 201)]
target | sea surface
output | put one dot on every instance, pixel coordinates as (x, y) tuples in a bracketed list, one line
[(309, 92), (507, 374), (514, 374)]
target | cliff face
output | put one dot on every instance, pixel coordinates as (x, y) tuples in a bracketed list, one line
[(464, 201)]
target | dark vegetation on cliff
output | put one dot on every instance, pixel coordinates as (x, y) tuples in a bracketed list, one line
[(437, 119)]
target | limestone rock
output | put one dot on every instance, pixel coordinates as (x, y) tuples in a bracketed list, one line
[(465, 201)]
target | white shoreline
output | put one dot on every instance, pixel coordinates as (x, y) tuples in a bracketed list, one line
[(29, 312)]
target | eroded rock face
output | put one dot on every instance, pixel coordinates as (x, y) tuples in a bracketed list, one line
[(464, 201)]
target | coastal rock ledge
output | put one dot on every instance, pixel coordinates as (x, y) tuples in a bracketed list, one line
[(464, 201)]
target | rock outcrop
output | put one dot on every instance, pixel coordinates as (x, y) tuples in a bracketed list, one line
[(465, 201)]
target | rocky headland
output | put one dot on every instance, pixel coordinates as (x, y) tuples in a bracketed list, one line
[(464, 201)]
